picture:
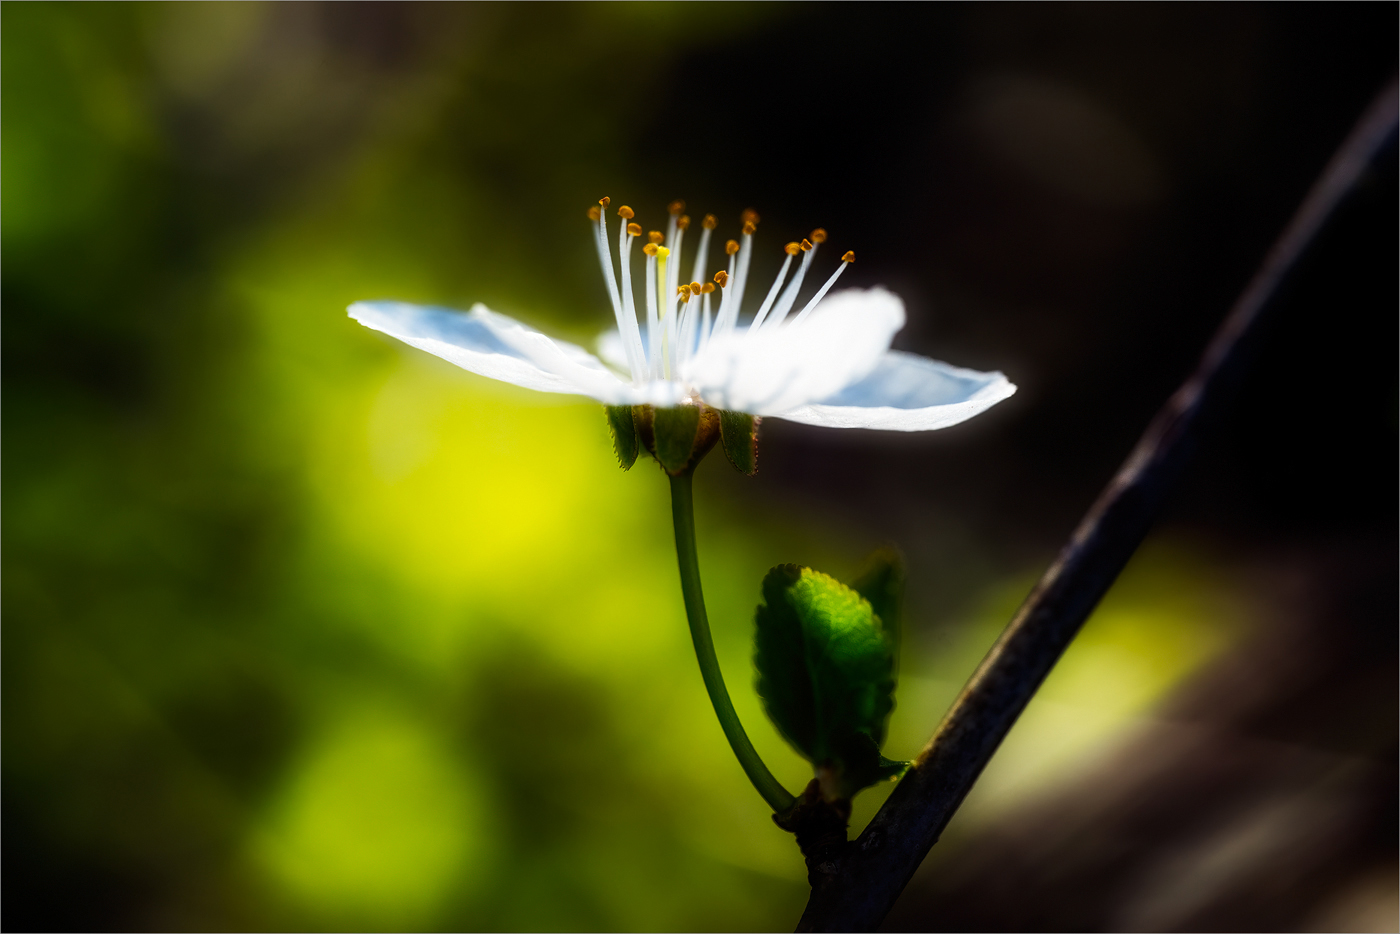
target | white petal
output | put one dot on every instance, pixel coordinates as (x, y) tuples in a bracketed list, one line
[(908, 393), (502, 348), (773, 370)]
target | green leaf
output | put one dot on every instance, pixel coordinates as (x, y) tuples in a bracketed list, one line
[(826, 673), (881, 582), (624, 434), (739, 436), (675, 429)]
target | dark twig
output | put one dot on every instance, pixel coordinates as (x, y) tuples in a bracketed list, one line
[(854, 892)]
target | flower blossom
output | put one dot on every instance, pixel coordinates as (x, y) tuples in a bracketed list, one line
[(827, 362)]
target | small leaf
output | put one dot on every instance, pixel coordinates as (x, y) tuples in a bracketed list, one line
[(881, 582), (624, 434), (825, 673), (675, 429), (739, 436)]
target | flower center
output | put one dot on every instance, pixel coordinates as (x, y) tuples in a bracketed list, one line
[(680, 317)]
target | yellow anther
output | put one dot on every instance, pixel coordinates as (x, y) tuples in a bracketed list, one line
[(750, 216), (634, 229), (649, 249), (595, 212), (710, 222), (731, 247), (696, 288), (656, 236), (805, 245), (683, 222), (707, 288), (604, 201), (792, 249), (675, 207), (750, 227), (626, 212), (722, 277), (818, 235), (682, 289), (685, 296), (850, 257)]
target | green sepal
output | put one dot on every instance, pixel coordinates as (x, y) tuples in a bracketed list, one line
[(739, 437), (826, 674), (624, 434), (674, 430)]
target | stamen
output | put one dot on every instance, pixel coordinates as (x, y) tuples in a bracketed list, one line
[(600, 239), (595, 212), (708, 287), (705, 313), (722, 278), (649, 249), (626, 212), (741, 270), (627, 327), (730, 246), (702, 256), (683, 222), (675, 207), (846, 260), (665, 299), (655, 237), (653, 321), (792, 250), (750, 216), (605, 201), (634, 230), (790, 293), (818, 235), (710, 222)]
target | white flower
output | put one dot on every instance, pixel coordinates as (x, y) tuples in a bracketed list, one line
[(829, 364)]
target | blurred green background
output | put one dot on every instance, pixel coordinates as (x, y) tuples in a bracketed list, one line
[(306, 629)]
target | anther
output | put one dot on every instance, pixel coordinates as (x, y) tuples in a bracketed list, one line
[(634, 229), (818, 235), (682, 290), (696, 288), (792, 249), (594, 213), (655, 236), (750, 216), (750, 227), (710, 222), (708, 287), (683, 222), (722, 277), (675, 207), (805, 245), (626, 212), (649, 250), (850, 257), (604, 201), (731, 247)]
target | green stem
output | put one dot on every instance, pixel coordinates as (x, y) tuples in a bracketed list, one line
[(683, 514)]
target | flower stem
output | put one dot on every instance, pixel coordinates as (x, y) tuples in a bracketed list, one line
[(683, 514)]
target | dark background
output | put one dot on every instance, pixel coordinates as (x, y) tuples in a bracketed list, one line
[(1073, 194)]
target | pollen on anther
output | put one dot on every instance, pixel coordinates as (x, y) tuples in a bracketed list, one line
[(750, 227), (656, 236), (708, 287), (634, 229), (710, 222), (792, 249), (805, 245), (594, 213), (682, 289), (850, 257), (750, 216), (818, 235), (722, 277), (683, 222), (675, 207), (626, 212), (731, 247), (696, 288), (649, 249), (605, 201)]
